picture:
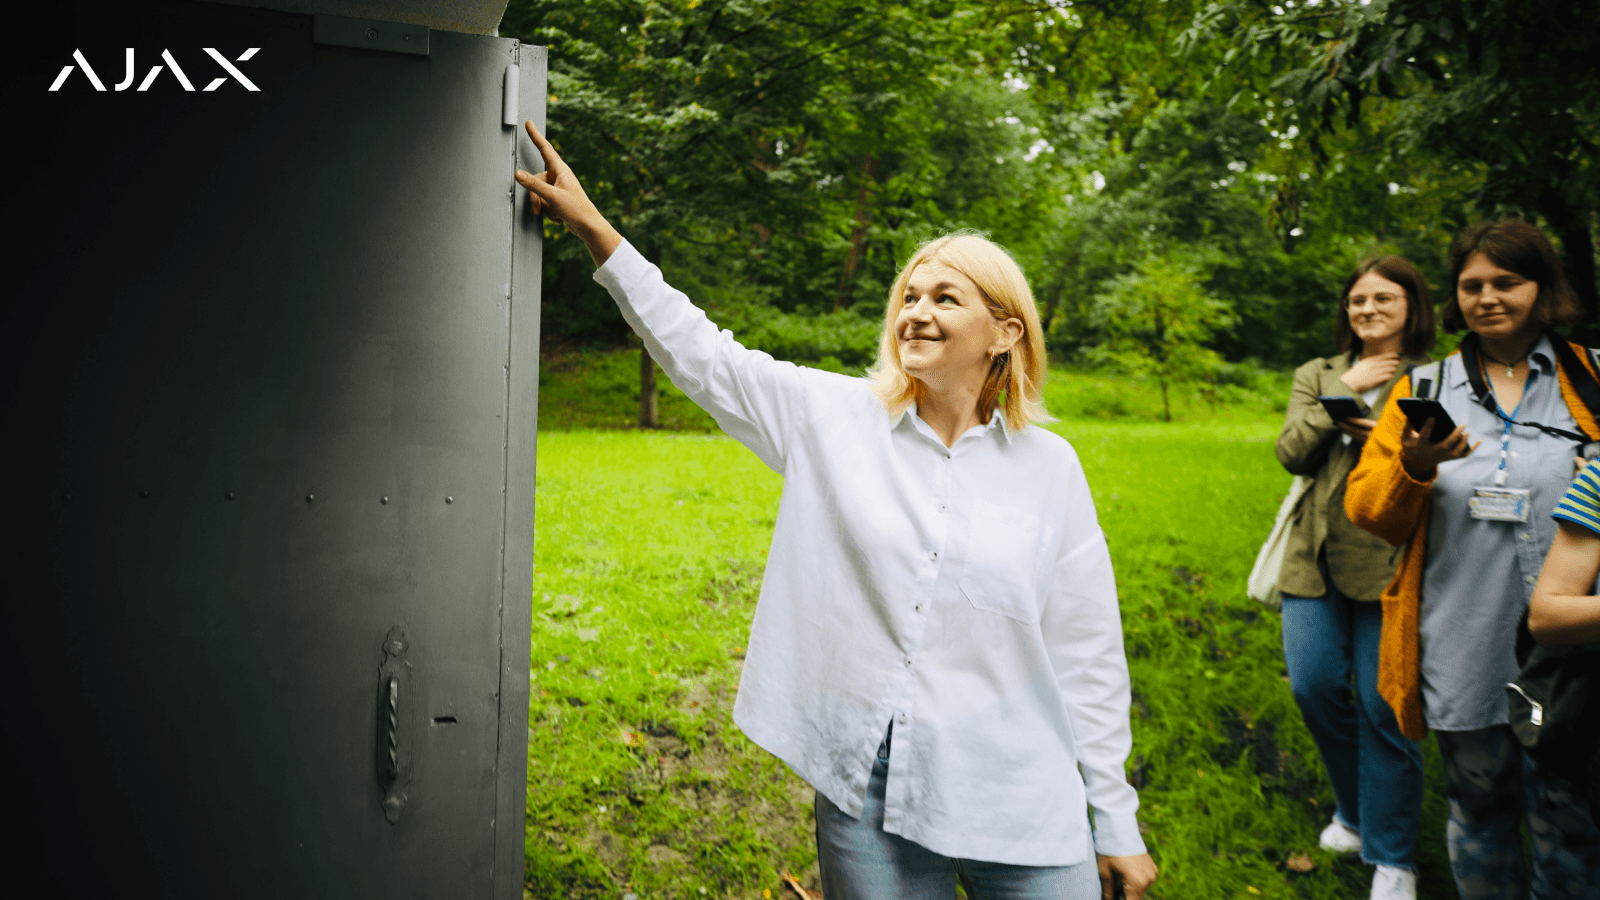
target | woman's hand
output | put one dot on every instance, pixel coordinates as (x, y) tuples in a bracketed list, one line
[(1136, 873), (1371, 372), (557, 194), (1421, 457), (1358, 429)]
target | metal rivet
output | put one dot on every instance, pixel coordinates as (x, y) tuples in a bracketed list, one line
[(310, 497), (384, 500), (230, 495), (144, 493), (449, 499), (372, 33), (405, 37)]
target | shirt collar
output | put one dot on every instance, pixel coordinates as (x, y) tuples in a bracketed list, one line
[(1540, 359), (997, 421)]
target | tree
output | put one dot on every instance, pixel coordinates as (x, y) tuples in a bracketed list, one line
[(1506, 90), (1157, 319)]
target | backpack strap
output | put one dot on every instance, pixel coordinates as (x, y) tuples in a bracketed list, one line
[(1583, 380)]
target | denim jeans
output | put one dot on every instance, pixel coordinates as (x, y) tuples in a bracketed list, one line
[(1329, 643), (860, 861), (1491, 783)]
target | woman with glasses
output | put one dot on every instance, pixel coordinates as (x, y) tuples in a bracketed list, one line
[(1334, 572), (1474, 520)]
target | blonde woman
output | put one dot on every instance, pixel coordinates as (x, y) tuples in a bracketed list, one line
[(937, 582)]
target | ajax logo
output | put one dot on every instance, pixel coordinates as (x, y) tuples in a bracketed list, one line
[(171, 65)]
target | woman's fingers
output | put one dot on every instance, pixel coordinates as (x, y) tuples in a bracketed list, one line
[(552, 159)]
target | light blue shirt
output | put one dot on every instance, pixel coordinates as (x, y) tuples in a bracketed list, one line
[(1480, 574), (966, 592)]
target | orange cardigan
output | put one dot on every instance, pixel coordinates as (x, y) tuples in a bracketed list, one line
[(1386, 501)]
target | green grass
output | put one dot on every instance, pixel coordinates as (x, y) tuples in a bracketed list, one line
[(648, 561)]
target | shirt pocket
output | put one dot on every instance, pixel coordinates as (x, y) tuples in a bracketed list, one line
[(1004, 556)]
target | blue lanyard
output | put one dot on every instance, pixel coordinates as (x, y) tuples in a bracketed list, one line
[(1505, 432)]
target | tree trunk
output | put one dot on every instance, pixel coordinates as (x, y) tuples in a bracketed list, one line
[(1050, 309), (647, 390), (858, 236), (1577, 244), (1166, 405), (647, 366)]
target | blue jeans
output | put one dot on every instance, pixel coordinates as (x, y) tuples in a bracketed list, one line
[(1328, 644), (1491, 783), (860, 861)]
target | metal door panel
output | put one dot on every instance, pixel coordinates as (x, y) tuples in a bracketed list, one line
[(282, 309)]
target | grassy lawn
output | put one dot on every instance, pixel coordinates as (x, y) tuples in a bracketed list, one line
[(649, 556)]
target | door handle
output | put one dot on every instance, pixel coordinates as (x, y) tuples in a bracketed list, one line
[(392, 743)]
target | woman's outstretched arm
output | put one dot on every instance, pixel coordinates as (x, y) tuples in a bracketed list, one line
[(556, 193)]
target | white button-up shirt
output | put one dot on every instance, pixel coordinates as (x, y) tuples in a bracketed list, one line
[(965, 593)]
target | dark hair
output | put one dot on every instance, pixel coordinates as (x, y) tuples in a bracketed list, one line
[(1417, 338), (1521, 248)]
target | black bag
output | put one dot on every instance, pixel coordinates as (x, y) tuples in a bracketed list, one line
[(1555, 706)]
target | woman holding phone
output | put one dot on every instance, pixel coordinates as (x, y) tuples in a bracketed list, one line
[(938, 587), (1334, 572), (1475, 521)]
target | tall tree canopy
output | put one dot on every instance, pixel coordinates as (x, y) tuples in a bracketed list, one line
[(778, 157)]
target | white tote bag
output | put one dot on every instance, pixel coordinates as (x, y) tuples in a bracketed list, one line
[(1263, 585)]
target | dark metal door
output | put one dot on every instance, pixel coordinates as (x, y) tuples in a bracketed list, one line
[(272, 368)]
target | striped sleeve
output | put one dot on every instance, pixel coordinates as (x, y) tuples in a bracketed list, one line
[(1581, 505)]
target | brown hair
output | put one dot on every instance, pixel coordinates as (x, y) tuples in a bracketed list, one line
[(1516, 247), (1419, 334)]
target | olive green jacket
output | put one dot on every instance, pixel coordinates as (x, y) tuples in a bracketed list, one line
[(1360, 563)]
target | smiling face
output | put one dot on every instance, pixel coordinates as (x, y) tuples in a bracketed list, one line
[(1495, 302), (944, 330), (1377, 308)]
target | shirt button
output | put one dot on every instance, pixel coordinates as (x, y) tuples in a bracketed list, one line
[(908, 662), (1522, 535), (1528, 578), (933, 554), (903, 718), (919, 607), (941, 507)]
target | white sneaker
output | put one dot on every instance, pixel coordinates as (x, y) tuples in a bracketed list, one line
[(1339, 838), (1394, 883)]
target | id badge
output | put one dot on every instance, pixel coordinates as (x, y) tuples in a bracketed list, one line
[(1500, 504)]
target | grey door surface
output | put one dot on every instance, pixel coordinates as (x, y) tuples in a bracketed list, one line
[(272, 367)]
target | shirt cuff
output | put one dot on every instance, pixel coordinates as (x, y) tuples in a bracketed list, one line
[(1117, 835), (624, 269)]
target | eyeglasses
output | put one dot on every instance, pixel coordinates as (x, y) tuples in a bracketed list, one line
[(1358, 301)]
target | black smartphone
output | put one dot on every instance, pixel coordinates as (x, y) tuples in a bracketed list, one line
[(1418, 411), (1341, 408)]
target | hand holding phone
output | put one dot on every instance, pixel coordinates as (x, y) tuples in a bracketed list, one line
[(1436, 440), (1418, 411)]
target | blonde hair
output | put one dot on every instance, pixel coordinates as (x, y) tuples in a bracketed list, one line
[(1016, 375)]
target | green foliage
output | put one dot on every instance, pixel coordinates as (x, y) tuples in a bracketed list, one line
[(782, 155), (590, 389), (1156, 320), (1497, 99)]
